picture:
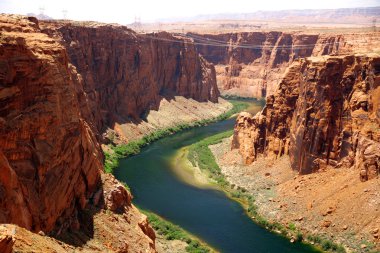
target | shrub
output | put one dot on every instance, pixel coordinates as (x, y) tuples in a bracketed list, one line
[(299, 236), (326, 244), (292, 226), (341, 249), (174, 232)]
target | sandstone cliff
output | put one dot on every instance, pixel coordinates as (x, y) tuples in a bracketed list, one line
[(61, 86), (120, 229), (6, 242), (325, 111), (253, 63), (115, 63), (50, 159)]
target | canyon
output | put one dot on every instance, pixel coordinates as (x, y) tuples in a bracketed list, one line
[(63, 85), (68, 89)]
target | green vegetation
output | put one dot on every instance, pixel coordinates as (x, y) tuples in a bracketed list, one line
[(325, 244), (240, 98), (134, 147), (174, 232), (292, 226), (200, 155), (370, 247), (126, 186), (299, 236)]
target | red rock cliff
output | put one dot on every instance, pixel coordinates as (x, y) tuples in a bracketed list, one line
[(126, 74), (50, 160), (325, 111), (253, 63), (61, 85)]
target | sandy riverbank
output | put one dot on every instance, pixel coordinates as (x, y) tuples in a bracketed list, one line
[(188, 173)]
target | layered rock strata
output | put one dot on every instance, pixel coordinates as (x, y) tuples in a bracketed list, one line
[(253, 63), (50, 159), (122, 228), (325, 111), (62, 85), (125, 75)]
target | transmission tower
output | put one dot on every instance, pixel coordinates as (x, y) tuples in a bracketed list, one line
[(42, 10), (64, 13), (137, 23), (374, 24)]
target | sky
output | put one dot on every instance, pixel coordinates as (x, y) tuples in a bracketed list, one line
[(124, 12)]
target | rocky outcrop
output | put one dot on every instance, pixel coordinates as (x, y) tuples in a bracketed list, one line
[(6, 240), (119, 201), (325, 111), (61, 86), (268, 131), (116, 196), (253, 63), (248, 135)]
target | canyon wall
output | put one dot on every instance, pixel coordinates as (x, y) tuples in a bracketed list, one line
[(325, 111), (50, 159), (62, 85), (253, 63), (126, 75)]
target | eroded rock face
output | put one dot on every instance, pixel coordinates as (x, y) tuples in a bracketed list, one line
[(6, 243), (116, 197), (324, 112), (271, 126), (119, 200), (61, 85), (337, 114), (254, 62), (50, 159), (248, 135), (116, 63)]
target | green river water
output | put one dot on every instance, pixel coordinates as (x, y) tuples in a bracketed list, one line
[(205, 212)]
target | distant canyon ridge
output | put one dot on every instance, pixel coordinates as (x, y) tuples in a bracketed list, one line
[(253, 63)]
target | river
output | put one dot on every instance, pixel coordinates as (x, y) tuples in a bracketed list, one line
[(205, 212)]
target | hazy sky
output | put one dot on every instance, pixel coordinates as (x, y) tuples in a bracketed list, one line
[(124, 12)]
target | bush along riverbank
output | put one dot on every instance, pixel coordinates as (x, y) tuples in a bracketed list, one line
[(173, 232), (201, 156), (236, 97), (117, 152)]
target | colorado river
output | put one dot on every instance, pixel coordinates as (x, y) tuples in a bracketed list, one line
[(205, 212)]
